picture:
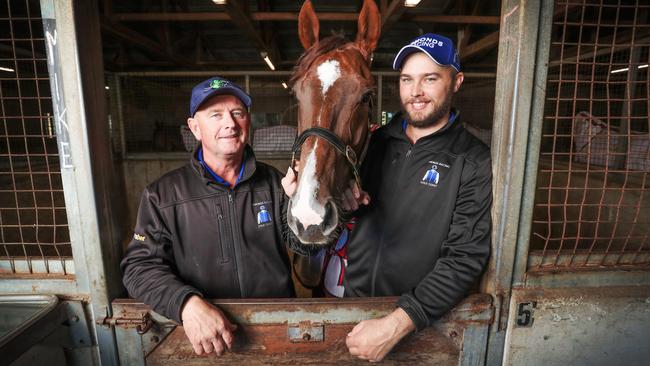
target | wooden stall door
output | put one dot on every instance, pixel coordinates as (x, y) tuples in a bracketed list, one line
[(302, 332)]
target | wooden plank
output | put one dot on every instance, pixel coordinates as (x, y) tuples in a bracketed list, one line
[(290, 16), (242, 19), (127, 34), (486, 43), (266, 344), (393, 13), (263, 328)]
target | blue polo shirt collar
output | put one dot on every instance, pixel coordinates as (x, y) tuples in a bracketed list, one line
[(215, 176)]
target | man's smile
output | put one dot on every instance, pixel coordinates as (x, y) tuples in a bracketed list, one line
[(419, 104)]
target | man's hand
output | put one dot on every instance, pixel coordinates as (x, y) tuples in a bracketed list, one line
[(372, 339), (289, 182), (206, 327), (354, 197)]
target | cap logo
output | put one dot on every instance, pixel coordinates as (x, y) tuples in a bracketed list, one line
[(427, 41), (217, 84)]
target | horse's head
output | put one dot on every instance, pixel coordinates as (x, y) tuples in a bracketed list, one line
[(333, 85)]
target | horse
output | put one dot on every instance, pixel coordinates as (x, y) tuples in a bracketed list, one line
[(334, 88)]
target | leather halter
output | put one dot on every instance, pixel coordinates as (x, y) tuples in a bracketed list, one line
[(337, 143)]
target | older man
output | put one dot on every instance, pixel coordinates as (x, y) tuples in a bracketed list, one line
[(212, 228)]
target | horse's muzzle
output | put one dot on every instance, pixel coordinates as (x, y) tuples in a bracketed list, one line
[(315, 234)]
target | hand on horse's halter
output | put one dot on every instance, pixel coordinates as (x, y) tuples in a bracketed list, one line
[(354, 197), (290, 181)]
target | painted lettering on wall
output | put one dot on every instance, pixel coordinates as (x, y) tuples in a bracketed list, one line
[(58, 100)]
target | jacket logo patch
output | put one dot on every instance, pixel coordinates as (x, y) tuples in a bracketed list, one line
[(139, 237), (262, 213), (433, 175)]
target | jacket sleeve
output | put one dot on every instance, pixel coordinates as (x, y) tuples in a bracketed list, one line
[(463, 256), (149, 270)]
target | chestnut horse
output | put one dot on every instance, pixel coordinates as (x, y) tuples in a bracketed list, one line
[(334, 87)]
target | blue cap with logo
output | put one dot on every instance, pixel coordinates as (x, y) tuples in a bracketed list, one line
[(216, 86), (439, 48)]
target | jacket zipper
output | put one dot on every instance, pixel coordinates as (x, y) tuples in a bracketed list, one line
[(235, 242), (222, 236), (381, 241)]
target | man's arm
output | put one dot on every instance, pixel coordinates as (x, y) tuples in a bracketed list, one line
[(463, 257), (150, 276), (148, 265), (464, 254)]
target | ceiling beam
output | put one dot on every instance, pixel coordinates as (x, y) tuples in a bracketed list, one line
[(268, 33), (467, 30), (393, 12), (133, 37), (289, 16), (486, 43), (245, 23), (457, 19)]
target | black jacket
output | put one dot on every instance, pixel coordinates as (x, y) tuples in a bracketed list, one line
[(195, 236), (426, 233)]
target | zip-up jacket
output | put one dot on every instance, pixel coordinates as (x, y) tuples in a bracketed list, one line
[(196, 236), (426, 234)]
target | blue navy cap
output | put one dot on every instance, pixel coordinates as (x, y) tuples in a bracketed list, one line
[(439, 48), (216, 86)]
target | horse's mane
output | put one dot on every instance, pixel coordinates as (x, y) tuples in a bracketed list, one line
[(318, 49)]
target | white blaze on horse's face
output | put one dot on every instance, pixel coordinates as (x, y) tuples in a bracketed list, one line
[(306, 208), (328, 72)]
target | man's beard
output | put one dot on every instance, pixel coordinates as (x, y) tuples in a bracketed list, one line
[(432, 118)]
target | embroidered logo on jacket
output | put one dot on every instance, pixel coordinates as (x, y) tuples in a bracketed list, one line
[(263, 216), (434, 174), (262, 213)]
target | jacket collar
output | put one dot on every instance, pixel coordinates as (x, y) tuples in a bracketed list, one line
[(249, 167)]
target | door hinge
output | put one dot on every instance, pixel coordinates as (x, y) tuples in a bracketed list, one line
[(142, 322)]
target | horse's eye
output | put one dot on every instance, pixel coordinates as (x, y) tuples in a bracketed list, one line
[(366, 98)]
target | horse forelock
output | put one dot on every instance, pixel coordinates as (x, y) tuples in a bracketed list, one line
[(322, 47)]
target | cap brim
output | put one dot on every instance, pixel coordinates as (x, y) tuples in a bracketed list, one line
[(408, 50), (243, 97)]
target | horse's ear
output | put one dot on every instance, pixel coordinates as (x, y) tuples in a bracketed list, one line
[(308, 26), (369, 26)]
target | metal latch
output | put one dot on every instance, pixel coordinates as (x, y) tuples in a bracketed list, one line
[(305, 332), (142, 323)]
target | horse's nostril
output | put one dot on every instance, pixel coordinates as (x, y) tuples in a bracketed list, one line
[(331, 218)]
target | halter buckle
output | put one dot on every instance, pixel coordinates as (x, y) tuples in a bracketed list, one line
[(350, 155)]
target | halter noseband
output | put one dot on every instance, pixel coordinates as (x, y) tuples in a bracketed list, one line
[(337, 143)]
